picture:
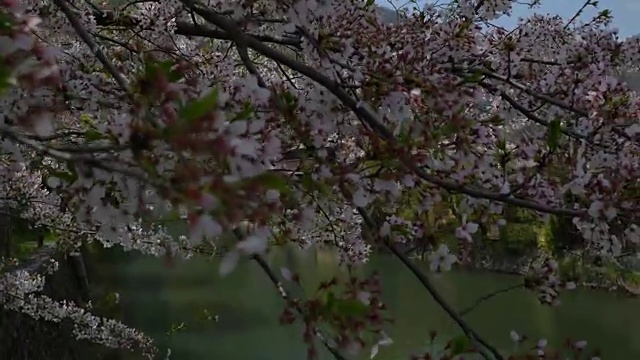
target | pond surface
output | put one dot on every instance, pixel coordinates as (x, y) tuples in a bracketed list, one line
[(244, 309)]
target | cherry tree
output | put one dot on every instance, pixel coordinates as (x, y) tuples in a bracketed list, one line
[(316, 123)]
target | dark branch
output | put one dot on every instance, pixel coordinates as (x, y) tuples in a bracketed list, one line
[(493, 353), (367, 117), (489, 296), (185, 28), (285, 295), (87, 39)]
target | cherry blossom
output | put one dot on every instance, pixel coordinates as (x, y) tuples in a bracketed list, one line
[(441, 260), (385, 340), (315, 123), (465, 231), (515, 337)]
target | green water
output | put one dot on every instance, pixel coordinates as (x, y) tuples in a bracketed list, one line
[(247, 307)]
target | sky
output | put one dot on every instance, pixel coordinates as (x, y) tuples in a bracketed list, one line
[(626, 13)]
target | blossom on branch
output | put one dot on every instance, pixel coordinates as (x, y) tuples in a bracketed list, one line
[(118, 122)]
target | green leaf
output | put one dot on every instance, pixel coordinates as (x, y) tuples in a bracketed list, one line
[(472, 78), (330, 299), (147, 165), (68, 176), (369, 3), (152, 68), (606, 13), (404, 135), (460, 345), (6, 21), (313, 186), (373, 169), (502, 144), (7, 79), (290, 100), (351, 307), (50, 236), (273, 181), (345, 307), (328, 304), (400, 230), (85, 119), (93, 135), (450, 129), (200, 107), (553, 134), (71, 168), (175, 328), (245, 114)]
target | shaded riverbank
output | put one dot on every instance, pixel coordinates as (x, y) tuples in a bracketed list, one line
[(606, 278), (199, 315)]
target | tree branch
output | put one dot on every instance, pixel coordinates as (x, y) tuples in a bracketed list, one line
[(285, 295), (360, 109), (547, 99), (424, 280), (84, 35), (531, 116), (488, 351), (186, 28), (489, 296)]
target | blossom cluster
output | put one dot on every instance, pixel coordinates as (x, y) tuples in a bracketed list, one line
[(192, 111), (18, 292)]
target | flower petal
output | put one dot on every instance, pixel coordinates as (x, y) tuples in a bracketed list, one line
[(229, 262)]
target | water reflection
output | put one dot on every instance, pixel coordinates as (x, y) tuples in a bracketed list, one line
[(247, 309)]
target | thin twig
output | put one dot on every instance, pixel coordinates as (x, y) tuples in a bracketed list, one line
[(86, 37), (488, 351), (578, 13), (285, 295), (489, 296), (368, 117), (424, 280)]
